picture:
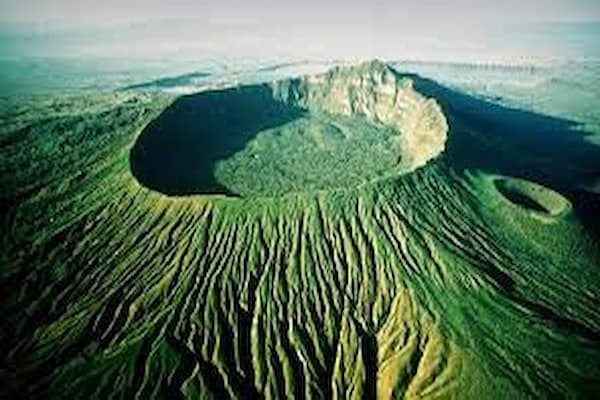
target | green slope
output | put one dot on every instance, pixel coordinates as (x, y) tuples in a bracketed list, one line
[(436, 283)]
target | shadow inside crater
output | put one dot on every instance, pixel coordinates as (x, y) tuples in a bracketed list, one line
[(176, 153), (519, 198)]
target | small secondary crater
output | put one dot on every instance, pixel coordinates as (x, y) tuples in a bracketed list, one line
[(343, 128), (532, 196)]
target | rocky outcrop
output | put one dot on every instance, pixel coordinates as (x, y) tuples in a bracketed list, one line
[(379, 93)]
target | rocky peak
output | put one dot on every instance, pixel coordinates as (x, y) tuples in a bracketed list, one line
[(376, 91)]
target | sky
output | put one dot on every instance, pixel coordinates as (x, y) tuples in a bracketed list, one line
[(310, 28), (64, 13)]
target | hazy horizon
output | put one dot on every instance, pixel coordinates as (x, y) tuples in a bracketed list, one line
[(427, 30), (59, 43)]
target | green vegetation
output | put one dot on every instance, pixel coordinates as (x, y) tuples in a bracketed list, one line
[(436, 283), (177, 152), (305, 155), (532, 196)]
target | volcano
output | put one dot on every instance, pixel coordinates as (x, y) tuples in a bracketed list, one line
[(361, 233)]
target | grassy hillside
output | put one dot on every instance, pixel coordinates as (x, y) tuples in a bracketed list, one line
[(437, 283)]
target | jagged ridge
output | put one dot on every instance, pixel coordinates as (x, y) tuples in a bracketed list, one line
[(376, 91)]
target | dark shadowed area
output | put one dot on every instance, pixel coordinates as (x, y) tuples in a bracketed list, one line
[(519, 197), (176, 153), (506, 141)]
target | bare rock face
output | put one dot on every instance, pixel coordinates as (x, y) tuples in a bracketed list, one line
[(377, 92)]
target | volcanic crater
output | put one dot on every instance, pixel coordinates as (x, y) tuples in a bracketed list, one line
[(342, 128)]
